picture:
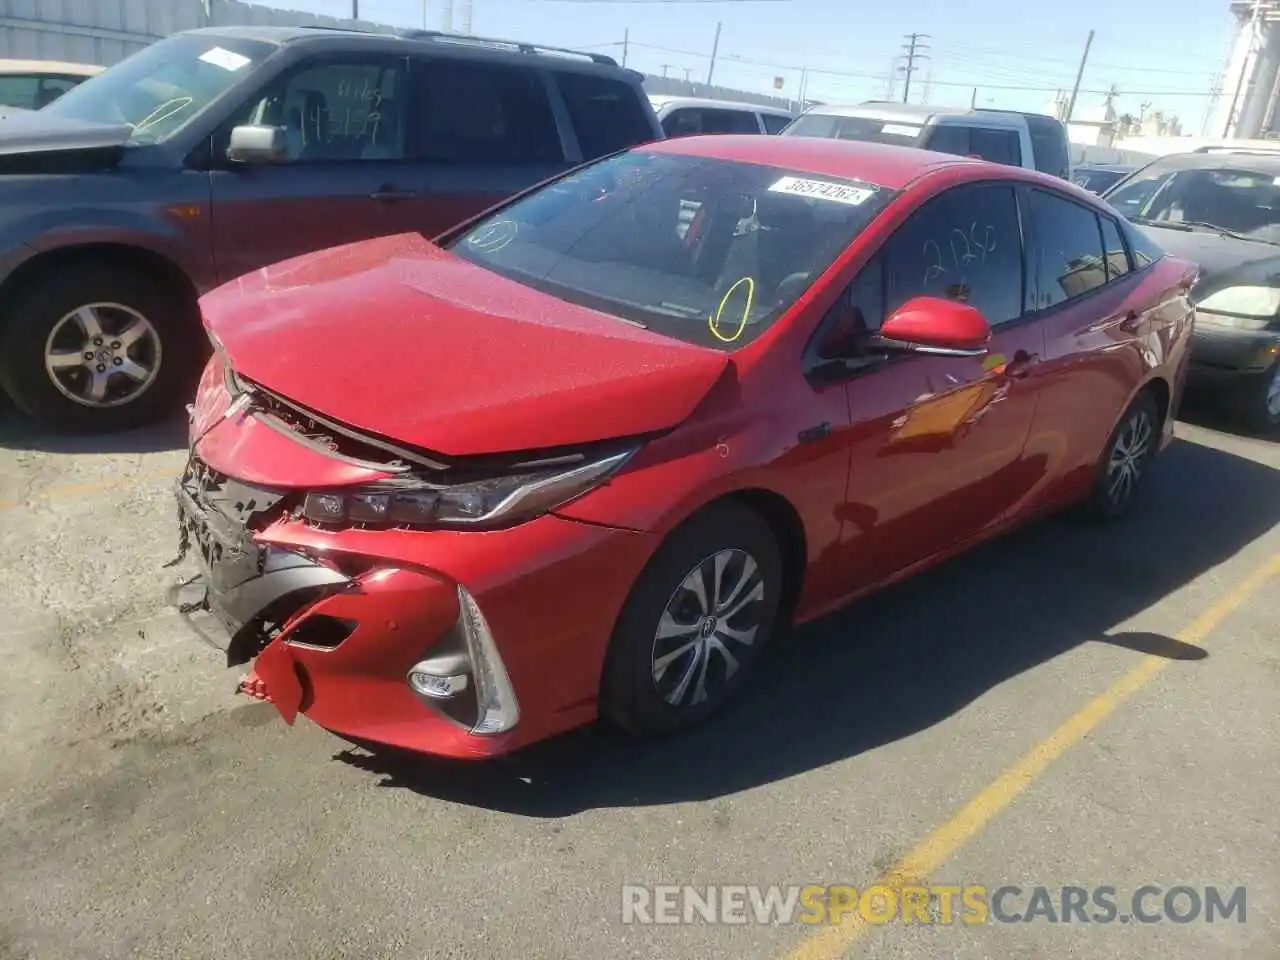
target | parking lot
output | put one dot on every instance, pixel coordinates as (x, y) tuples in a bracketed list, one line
[(1068, 706)]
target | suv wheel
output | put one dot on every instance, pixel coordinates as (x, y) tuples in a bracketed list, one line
[(98, 349)]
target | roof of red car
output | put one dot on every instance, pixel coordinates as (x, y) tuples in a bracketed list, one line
[(878, 163)]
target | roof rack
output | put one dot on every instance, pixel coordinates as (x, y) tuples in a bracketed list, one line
[(533, 49)]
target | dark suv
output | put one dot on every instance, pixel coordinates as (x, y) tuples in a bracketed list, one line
[(218, 151)]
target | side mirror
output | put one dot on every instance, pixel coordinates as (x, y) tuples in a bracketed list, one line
[(254, 144), (936, 326)]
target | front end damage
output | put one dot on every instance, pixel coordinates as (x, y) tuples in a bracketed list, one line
[(444, 641)]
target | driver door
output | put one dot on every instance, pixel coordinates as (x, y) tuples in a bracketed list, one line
[(938, 441)]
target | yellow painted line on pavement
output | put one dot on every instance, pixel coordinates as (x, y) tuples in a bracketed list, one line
[(938, 847), (95, 486)]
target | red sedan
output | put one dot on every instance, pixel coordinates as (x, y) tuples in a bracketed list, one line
[(589, 453)]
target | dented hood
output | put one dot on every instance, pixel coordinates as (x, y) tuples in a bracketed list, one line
[(398, 338)]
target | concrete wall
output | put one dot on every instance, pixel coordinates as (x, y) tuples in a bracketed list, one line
[(106, 31)]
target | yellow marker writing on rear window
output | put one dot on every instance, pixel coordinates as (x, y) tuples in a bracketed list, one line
[(746, 311)]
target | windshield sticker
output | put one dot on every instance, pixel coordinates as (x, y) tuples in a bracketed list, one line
[(746, 311), (226, 59), (823, 190), (900, 130), (494, 236)]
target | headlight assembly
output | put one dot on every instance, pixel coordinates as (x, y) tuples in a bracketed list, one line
[(1246, 308), (477, 504)]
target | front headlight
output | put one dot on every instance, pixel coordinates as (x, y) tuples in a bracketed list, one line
[(1245, 307), (477, 504)]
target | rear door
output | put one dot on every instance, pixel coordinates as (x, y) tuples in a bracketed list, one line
[(997, 144), (347, 175), (938, 449), (484, 132), (1095, 314)]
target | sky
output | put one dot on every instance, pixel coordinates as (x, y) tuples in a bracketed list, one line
[(1158, 54)]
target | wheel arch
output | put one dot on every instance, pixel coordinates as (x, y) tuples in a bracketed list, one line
[(1162, 392)]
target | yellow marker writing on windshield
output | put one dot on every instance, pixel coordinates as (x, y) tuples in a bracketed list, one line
[(746, 311)]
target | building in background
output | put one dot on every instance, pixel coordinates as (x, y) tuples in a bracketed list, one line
[(1251, 81)]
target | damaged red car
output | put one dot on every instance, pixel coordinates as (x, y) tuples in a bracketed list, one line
[(588, 454)]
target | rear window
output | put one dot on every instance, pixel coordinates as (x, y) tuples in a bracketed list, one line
[(774, 124), (856, 128), (607, 114), (1049, 146), (702, 250)]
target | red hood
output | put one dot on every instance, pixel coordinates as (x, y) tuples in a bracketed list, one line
[(399, 338)]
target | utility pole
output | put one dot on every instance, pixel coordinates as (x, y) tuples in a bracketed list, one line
[(466, 16), (626, 42), (715, 46), (355, 9), (973, 99), (665, 68), (687, 71), (914, 48), (1075, 90)]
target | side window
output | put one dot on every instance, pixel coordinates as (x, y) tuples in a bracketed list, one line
[(606, 113), (729, 121), (946, 138), (1049, 146), (51, 88), (1145, 251), (998, 146), (966, 245), (774, 124), (339, 110), (19, 91), (685, 122), (475, 113), (1113, 245), (1068, 250)]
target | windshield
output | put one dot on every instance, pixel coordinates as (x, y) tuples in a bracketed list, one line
[(159, 89), (866, 129), (706, 251), (1241, 201)]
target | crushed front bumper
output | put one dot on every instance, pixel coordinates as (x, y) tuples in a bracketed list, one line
[(340, 620)]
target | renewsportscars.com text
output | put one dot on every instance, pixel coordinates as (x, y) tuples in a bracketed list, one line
[(934, 904)]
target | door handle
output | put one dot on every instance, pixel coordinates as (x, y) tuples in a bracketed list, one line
[(1131, 322), (390, 194), (1021, 365)]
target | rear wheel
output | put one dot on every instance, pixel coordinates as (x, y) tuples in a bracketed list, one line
[(695, 623), (98, 349), (1123, 468)]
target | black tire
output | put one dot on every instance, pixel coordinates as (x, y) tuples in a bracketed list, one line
[(630, 697), (32, 316), (1110, 500), (1255, 401)]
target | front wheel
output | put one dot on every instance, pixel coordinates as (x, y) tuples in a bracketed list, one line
[(1258, 399), (97, 349), (695, 623)]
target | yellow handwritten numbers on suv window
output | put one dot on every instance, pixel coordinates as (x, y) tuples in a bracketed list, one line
[(746, 311)]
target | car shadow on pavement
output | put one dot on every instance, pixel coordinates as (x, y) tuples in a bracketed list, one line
[(19, 433), (902, 660)]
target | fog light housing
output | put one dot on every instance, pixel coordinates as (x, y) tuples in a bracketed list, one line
[(464, 678)]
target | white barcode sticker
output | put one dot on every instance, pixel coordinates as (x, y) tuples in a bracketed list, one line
[(226, 59), (823, 190)]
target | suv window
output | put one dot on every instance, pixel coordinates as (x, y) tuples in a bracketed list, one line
[(964, 245), (949, 138), (487, 114), (1049, 146), (606, 113), (18, 90), (349, 108), (1068, 249), (998, 146), (774, 123)]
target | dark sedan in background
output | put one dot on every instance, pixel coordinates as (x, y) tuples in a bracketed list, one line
[(1222, 211)]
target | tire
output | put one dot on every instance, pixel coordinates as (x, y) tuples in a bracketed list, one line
[(643, 700), (1257, 400), (127, 382), (1134, 442)]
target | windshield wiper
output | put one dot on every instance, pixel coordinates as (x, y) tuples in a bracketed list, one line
[(1189, 225), (1166, 224)]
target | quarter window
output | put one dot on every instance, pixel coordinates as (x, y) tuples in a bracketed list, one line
[(1117, 256), (486, 114), (964, 245), (773, 123), (1068, 250), (606, 113), (998, 146)]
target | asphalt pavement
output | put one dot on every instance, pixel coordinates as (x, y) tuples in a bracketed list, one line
[(1068, 706)]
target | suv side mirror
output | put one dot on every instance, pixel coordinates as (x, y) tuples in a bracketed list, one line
[(937, 326), (254, 144)]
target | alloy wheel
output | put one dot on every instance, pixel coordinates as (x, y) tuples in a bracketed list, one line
[(1129, 457), (1273, 393), (711, 619), (102, 355)]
